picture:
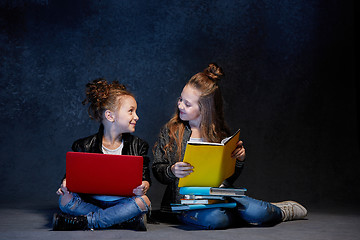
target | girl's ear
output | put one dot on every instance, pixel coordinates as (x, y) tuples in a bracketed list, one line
[(109, 115)]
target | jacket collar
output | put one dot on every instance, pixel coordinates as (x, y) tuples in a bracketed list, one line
[(187, 132), (99, 138)]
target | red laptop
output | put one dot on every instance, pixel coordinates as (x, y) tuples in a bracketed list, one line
[(103, 174)]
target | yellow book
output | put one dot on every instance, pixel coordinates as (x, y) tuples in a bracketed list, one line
[(212, 162)]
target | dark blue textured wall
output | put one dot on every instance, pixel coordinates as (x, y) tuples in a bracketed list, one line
[(289, 86)]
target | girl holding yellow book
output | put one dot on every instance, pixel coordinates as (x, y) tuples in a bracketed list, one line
[(200, 117)]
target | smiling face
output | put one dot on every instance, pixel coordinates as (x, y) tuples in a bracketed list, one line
[(125, 116), (188, 105)]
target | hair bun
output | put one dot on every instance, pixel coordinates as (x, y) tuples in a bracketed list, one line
[(117, 85), (97, 90), (214, 72)]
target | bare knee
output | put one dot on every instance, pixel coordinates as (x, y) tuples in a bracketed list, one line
[(141, 203)]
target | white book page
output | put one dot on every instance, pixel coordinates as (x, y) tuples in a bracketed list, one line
[(222, 143)]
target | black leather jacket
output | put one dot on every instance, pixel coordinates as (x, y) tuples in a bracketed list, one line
[(132, 146)]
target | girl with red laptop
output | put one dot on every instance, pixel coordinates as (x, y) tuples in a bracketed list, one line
[(115, 109), (200, 117)]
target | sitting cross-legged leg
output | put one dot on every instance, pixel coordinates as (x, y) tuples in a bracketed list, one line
[(259, 212), (212, 218), (102, 215)]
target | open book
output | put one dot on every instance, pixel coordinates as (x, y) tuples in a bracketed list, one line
[(212, 162)]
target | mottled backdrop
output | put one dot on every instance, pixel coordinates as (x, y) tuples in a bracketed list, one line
[(290, 86)]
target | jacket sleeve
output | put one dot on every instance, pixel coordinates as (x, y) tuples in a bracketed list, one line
[(162, 162), (229, 182), (143, 151), (76, 146)]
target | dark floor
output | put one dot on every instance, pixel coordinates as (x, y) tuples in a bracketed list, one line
[(29, 222)]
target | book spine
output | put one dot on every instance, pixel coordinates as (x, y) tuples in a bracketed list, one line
[(194, 201), (201, 201), (228, 191), (202, 206), (195, 190), (212, 191), (204, 197)]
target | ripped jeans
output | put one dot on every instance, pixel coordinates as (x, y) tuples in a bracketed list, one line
[(103, 214), (247, 211)]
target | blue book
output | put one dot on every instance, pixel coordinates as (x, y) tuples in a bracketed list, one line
[(230, 192), (185, 207)]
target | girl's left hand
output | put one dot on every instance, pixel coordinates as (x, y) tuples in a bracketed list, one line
[(142, 189), (239, 152)]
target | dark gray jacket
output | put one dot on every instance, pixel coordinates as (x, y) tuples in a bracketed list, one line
[(163, 162)]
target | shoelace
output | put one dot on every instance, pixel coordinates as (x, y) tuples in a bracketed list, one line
[(289, 212)]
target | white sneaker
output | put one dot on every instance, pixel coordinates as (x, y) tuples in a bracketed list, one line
[(291, 210)]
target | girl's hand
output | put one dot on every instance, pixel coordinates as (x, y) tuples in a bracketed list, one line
[(63, 189), (142, 189), (239, 152), (181, 169)]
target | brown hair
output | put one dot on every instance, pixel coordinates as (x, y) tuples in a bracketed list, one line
[(103, 96), (212, 126)]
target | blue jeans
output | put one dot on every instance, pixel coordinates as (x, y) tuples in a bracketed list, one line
[(103, 214), (248, 211)]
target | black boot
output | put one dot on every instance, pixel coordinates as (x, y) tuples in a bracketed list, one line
[(142, 223), (62, 222), (138, 224)]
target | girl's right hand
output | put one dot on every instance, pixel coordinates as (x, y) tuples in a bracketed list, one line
[(181, 169), (63, 189)]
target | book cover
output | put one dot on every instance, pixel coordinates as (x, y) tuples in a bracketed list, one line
[(231, 192), (184, 207), (204, 197), (212, 162), (201, 201)]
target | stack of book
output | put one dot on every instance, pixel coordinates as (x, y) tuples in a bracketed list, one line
[(207, 197), (212, 164)]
